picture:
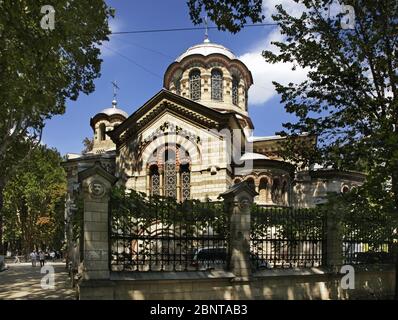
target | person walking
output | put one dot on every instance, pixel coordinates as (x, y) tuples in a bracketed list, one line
[(33, 258), (17, 258), (42, 258)]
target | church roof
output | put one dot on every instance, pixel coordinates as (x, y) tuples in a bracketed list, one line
[(179, 106), (253, 156), (109, 112), (207, 48), (114, 110)]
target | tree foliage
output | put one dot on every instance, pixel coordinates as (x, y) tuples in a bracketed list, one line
[(227, 14), (350, 98), (34, 201), (131, 208), (40, 69), (88, 144)]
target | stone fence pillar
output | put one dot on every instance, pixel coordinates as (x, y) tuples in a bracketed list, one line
[(333, 243), (96, 185), (239, 199)]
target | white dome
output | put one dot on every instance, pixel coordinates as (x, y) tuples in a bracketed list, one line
[(206, 48), (112, 111), (253, 156)]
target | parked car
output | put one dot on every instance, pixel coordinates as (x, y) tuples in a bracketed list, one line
[(209, 257), (258, 262)]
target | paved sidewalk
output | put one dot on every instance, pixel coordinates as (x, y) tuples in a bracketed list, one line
[(22, 281)]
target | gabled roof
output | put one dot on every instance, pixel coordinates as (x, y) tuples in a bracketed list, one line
[(178, 105), (97, 169), (238, 188)]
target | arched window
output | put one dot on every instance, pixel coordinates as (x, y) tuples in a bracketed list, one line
[(235, 90), (236, 181), (102, 132), (154, 181), (262, 190), (284, 193), (251, 183), (185, 182), (194, 84), (216, 84), (276, 191), (170, 174), (177, 85), (174, 180), (345, 189)]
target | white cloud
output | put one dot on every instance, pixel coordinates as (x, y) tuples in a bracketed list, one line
[(264, 73), (290, 6)]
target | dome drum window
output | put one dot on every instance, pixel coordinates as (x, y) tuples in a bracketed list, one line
[(216, 85), (235, 91), (194, 84)]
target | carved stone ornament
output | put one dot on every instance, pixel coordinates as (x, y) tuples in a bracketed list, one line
[(97, 189), (244, 203)]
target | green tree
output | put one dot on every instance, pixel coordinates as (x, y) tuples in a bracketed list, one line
[(227, 14), (88, 144), (33, 201), (40, 69)]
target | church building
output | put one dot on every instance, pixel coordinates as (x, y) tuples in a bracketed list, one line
[(194, 139)]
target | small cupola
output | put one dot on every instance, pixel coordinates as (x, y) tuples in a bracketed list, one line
[(104, 121)]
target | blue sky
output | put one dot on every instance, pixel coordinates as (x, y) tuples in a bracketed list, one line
[(154, 52)]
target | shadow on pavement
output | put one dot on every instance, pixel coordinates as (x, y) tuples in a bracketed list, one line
[(22, 281)]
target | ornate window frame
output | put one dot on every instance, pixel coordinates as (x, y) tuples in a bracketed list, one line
[(154, 180), (235, 91), (195, 84), (174, 179), (216, 85)]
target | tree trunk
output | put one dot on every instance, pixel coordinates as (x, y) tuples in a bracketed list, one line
[(26, 229), (1, 217), (394, 185)]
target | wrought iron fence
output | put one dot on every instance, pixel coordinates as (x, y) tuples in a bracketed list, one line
[(367, 239), (287, 237), (159, 234)]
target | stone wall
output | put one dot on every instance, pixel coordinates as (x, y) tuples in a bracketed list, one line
[(311, 187), (308, 284)]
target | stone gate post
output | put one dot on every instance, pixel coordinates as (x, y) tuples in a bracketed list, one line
[(96, 185), (239, 199), (333, 244)]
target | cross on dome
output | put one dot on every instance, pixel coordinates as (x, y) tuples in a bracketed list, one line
[(115, 88), (207, 40)]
